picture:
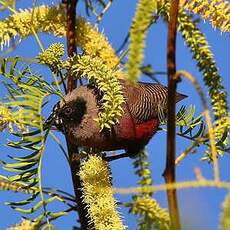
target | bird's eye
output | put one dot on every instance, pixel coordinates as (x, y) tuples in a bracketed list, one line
[(67, 111)]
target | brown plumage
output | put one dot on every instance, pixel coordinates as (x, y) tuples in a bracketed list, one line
[(76, 114)]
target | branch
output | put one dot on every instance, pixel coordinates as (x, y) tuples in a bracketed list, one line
[(73, 149), (70, 35), (169, 173), (202, 183)]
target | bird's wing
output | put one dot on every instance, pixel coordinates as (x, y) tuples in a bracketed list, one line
[(147, 100)]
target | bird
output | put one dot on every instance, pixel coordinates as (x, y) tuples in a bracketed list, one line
[(75, 117)]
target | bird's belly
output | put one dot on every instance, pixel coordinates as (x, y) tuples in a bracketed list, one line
[(147, 129), (124, 135)]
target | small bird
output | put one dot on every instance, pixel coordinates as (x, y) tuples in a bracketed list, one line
[(75, 116)]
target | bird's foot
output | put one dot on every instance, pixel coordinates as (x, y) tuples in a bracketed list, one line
[(115, 157)]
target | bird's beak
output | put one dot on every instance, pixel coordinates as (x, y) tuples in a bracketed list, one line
[(48, 122)]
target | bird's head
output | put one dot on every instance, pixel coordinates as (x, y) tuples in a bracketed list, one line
[(67, 112)]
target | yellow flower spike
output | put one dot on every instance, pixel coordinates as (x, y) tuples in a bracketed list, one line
[(26, 225), (94, 69), (141, 21), (225, 217), (51, 56), (7, 119), (95, 43), (53, 20), (217, 11), (98, 194), (199, 47), (153, 214)]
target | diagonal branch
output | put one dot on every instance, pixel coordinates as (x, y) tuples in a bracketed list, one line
[(169, 173)]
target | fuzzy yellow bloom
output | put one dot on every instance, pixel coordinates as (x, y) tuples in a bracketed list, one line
[(53, 20), (217, 11), (7, 119), (95, 43), (225, 217), (98, 194), (26, 225), (153, 214), (93, 68)]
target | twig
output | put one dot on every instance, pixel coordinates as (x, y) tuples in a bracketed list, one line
[(169, 173), (208, 121), (172, 186), (186, 152), (106, 7), (72, 149)]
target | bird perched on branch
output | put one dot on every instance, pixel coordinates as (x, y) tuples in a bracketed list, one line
[(76, 114)]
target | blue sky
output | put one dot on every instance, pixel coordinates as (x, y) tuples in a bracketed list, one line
[(200, 208)]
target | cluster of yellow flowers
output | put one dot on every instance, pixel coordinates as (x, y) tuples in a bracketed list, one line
[(151, 211), (26, 225), (98, 194), (217, 11), (94, 69), (52, 56), (7, 119)]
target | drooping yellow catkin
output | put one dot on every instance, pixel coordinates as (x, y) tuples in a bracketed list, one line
[(45, 19), (141, 22), (153, 214), (53, 20), (52, 56), (217, 11), (225, 217), (105, 80), (98, 194), (26, 225), (7, 119), (95, 43)]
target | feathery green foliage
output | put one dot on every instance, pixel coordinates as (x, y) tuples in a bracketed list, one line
[(106, 82), (5, 4), (97, 7), (141, 22), (15, 186), (27, 94), (98, 194)]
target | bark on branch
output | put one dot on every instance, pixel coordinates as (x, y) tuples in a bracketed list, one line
[(169, 173), (73, 149)]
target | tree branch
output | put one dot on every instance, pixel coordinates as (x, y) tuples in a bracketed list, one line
[(169, 173), (73, 149)]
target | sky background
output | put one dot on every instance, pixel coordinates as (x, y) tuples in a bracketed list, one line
[(199, 208)]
